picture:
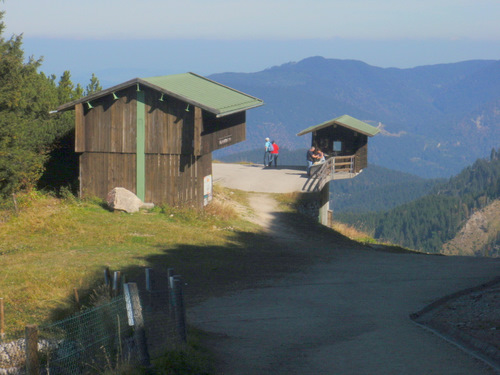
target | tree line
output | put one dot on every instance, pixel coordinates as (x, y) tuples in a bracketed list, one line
[(428, 222), (28, 132)]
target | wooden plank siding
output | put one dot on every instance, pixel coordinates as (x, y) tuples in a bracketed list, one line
[(79, 128), (110, 126), (361, 158), (100, 172), (178, 146), (170, 179), (222, 132), (353, 143), (169, 127), (176, 179)]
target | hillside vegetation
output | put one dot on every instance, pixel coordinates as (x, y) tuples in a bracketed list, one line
[(429, 222)]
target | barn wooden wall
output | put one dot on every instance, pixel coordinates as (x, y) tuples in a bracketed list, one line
[(100, 172), (176, 179), (169, 127), (106, 135), (110, 126), (217, 133)]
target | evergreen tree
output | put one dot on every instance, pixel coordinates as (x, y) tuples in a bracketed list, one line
[(27, 130), (94, 86)]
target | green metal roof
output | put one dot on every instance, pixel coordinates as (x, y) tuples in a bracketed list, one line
[(189, 87), (208, 94), (346, 121)]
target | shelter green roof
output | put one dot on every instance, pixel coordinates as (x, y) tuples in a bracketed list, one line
[(192, 88), (345, 121)]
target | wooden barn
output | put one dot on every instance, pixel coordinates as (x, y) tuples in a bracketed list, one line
[(155, 136)]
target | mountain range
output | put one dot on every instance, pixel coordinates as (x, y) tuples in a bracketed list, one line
[(434, 120)]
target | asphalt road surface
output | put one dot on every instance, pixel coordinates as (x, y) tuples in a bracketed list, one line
[(349, 315)]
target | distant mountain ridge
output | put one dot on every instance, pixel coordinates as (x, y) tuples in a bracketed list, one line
[(435, 119)]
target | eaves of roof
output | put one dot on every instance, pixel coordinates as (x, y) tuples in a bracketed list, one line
[(345, 121), (188, 87)]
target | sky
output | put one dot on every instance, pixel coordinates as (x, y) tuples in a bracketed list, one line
[(123, 39)]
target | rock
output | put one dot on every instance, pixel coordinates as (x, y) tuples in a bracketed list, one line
[(123, 200)]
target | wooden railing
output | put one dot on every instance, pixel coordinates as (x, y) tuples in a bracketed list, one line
[(335, 168)]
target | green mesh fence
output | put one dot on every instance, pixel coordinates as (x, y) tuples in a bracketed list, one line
[(99, 340), (93, 341)]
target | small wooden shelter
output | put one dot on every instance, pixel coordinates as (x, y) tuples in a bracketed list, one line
[(155, 136), (344, 142)]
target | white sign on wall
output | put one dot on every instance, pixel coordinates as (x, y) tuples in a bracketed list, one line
[(207, 189)]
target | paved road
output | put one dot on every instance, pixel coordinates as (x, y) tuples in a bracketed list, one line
[(349, 315), (254, 177)]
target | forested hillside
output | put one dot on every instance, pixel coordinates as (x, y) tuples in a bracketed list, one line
[(434, 120), (377, 189), (427, 223)]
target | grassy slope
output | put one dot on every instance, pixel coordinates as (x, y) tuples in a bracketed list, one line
[(55, 245)]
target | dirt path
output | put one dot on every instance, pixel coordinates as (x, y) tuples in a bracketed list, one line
[(346, 314)]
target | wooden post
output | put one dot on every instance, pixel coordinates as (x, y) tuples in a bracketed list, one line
[(107, 280), (324, 204), (2, 320), (107, 276), (77, 299), (15, 203), (149, 279), (31, 337), (132, 298)]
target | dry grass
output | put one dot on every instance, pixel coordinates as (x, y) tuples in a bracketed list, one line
[(353, 233), (54, 245)]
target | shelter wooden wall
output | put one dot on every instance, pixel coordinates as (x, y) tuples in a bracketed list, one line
[(353, 143), (361, 158)]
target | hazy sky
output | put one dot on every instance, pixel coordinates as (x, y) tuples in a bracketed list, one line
[(145, 37)]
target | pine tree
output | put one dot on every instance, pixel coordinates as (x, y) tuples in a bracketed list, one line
[(94, 86), (27, 131)]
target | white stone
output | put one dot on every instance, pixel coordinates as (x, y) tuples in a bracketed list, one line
[(123, 200)]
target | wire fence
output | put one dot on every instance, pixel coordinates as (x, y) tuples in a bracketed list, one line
[(126, 330)]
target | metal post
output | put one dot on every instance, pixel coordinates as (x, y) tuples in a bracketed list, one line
[(180, 311), (133, 301), (116, 283), (149, 285)]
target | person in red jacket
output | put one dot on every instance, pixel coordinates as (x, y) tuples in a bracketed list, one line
[(274, 154)]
